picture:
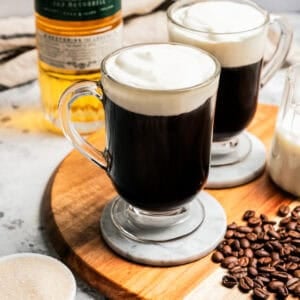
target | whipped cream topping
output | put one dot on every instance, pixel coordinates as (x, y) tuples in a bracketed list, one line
[(154, 79), (233, 32)]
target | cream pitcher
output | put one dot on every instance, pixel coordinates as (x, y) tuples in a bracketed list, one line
[(284, 161)]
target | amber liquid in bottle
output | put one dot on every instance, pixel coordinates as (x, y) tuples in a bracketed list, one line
[(65, 57)]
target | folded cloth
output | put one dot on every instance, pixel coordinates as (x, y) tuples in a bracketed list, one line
[(144, 22)]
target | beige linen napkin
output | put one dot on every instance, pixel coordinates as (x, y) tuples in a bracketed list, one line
[(18, 57)]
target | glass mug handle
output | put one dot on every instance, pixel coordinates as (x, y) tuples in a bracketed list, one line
[(70, 95), (281, 51)]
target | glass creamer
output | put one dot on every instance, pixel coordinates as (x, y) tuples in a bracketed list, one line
[(284, 161)]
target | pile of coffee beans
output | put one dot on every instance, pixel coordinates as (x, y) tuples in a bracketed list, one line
[(262, 256)]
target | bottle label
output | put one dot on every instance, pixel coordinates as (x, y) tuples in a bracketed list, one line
[(77, 53), (77, 10)]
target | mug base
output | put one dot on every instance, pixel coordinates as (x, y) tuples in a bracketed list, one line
[(184, 249), (241, 172)]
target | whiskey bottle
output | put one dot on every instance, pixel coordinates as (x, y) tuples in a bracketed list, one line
[(73, 36)]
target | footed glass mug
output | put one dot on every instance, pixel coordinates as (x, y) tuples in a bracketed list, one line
[(235, 32), (159, 102)]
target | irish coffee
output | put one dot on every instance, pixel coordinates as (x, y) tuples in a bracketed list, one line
[(159, 162), (236, 106), (159, 104), (235, 33)]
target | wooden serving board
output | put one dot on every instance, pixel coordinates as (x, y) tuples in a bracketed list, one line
[(72, 207)]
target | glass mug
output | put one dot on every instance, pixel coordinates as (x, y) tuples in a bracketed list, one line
[(158, 142), (284, 160), (240, 51)]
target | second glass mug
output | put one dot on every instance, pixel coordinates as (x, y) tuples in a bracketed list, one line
[(242, 71), (157, 156)]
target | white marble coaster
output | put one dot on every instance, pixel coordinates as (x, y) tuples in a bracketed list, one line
[(241, 172), (184, 250)]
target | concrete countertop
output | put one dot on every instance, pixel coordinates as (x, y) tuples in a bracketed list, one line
[(29, 155)]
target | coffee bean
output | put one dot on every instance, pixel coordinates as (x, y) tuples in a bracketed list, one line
[(243, 261), (241, 253), (237, 269), (291, 266), (231, 265), (232, 226), (275, 255), (251, 236), (257, 246), (264, 279), (244, 229), (296, 290), (257, 229), (267, 269), (274, 285), (258, 283), (248, 214), (229, 234), (239, 235), (228, 260), (274, 234), (246, 284), (296, 242), (261, 293), (248, 252), (229, 281), (294, 234), (265, 260), (261, 253), (244, 243), (254, 221), (282, 291), (291, 225), (252, 271), (297, 273), (276, 245), (284, 221), (292, 283), (282, 276), (283, 210), (294, 259), (217, 257), (236, 245), (227, 251)]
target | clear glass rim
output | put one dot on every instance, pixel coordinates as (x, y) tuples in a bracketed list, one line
[(207, 82), (182, 3)]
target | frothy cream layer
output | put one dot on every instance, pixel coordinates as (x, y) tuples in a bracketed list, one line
[(35, 277), (149, 79), (231, 31)]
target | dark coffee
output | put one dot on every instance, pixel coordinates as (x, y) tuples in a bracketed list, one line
[(158, 162), (236, 100)]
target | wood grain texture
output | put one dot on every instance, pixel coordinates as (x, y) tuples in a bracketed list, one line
[(72, 206)]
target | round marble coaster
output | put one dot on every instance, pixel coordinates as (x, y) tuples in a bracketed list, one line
[(184, 250), (241, 172)]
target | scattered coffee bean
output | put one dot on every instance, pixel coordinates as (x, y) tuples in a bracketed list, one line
[(262, 257), (282, 291), (217, 257), (261, 293), (229, 234), (274, 285), (243, 261), (229, 281), (254, 221), (246, 284), (248, 214), (283, 210)]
